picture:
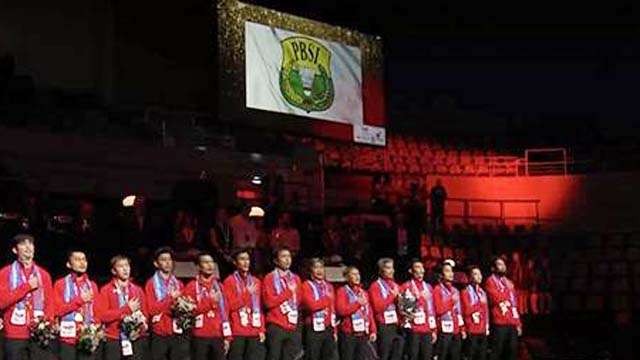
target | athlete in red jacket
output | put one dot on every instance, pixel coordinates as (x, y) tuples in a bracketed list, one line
[(211, 334), (318, 303), (505, 317), (357, 327), (74, 300), (26, 293), (476, 315), (446, 299), (119, 299), (384, 293), (168, 340), (247, 321), (281, 292), (421, 324)]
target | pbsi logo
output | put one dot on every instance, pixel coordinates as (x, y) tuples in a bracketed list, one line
[(305, 75)]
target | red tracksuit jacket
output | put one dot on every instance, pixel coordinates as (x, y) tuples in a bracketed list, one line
[(320, 299), (109, 311), (10, 298), (424, 295), (160, 309), (475, 309), (75, 303), (274, 299), (241, 301), (446, 299), (346, 307), (503, 301), (381, 304), (211, 314)]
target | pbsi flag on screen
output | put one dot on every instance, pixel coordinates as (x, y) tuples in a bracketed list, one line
[(301, 75)]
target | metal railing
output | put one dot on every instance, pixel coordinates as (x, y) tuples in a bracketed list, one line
[(466, 216)]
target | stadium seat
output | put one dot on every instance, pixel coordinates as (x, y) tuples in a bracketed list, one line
[(572, 302), (594, 303)]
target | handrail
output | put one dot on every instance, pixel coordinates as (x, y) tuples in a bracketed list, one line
[(466, 214)]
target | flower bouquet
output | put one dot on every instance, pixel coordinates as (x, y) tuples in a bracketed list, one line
[(407, 304), (183, 312), (43, 332), (90, 338), (134, 325)]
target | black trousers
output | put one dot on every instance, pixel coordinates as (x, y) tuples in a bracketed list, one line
[(69, 352), (419, 346), (390, 343), (113, 350), (476, 347), (449, 347), (207, 348), (26, 350), (504, 343), (175, 347), (247, 348), (352, 347), (283, 344), (319, 345)]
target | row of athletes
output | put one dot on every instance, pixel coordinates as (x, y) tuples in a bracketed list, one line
[(279, 317)]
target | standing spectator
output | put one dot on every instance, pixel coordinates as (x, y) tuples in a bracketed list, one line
[(438, 200), (285, 235), (332, 236), (138, 236), (273, 193), (245, 235), (416, 217), (219, 240), (7, 69), (184, 241), (519, 278), (401, 236)]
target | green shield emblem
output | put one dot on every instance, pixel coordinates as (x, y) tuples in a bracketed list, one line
[(305, 75)]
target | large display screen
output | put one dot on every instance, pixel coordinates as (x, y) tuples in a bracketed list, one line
[(290, 73)]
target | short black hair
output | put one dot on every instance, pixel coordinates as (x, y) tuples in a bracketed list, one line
[(75, 250), (414, 261), (163, 250), (280, 249), (472, 267), (443, 265), (495, 259), (20, 238), (238, 252), (200, 254), (117, 258)]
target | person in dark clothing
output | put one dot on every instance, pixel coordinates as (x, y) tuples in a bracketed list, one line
[(438, 200), (7, 69), (219, 241), (415, 220)]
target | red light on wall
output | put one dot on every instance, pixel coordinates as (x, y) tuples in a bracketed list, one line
[(247, 194)]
